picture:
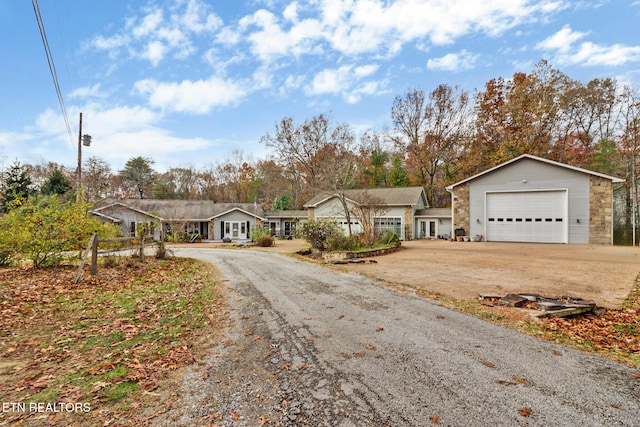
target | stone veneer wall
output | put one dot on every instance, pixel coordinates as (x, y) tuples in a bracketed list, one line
[(408, 223), (311, 214), (600, 210), (461, 207)]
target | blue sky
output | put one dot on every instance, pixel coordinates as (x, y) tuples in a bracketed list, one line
[(186, 82)]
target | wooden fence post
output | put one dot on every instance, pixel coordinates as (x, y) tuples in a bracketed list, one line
[(142, 248), (93, 239), (162, 249), (94, 255)]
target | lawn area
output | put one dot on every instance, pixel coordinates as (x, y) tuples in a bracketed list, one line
[(91, 353)]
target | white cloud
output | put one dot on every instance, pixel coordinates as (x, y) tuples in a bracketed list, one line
[(455, 62), (594, 55), (119, 133), (158, 33), (270, 41), (155, 52), (346, 80), (562, 40), (291, 12), (365, 70), (198, 19), (197, 97), (8, 139), (566, 50), (148, 24), (368, 25), (150, 142), (330, 81), (94, 91)]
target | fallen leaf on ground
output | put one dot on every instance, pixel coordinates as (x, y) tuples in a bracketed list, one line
[(525, 412), (521, 380)]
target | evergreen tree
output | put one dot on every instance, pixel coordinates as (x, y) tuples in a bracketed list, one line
[(398, 175), (56, 183), (16, 185), (139, 174)]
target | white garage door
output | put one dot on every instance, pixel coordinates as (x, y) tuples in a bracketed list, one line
[(533, 216)]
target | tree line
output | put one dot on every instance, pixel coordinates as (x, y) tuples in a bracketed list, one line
[(436, 138)]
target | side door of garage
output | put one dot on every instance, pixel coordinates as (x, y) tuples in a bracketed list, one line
[(527, 216)]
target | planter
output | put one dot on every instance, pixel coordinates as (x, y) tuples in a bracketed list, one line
[(332, 257), (473, 239), (466, 238), (459, 238)]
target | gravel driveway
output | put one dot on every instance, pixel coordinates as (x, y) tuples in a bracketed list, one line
[(312, 347), (605, 274)]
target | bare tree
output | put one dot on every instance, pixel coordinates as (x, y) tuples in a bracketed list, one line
[(365, 210), (430, 129), (97, 178), (309, 154)]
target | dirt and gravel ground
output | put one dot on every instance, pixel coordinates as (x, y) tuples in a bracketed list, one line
[(308, 346), (605, 274)]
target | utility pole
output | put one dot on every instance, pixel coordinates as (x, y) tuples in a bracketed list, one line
[(79, 194)]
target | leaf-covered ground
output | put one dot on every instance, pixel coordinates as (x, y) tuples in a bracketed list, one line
[(611, 333), (106, 345), (115, 344)]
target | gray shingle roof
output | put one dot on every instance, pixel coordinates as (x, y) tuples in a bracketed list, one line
[(196, 210), (286, 214), (434, 212), (399, 196)]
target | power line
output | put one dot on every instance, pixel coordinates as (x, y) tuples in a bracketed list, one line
[(52, 67)]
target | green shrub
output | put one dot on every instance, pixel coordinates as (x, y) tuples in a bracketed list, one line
[(262, 238), (5, 257), (388, 237), (45, 231), (341, 242), (317, 232)]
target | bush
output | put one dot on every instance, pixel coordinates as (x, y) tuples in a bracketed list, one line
[(5, 257), (45, 230), (265, 241), (388, 237), (341, 242), (262, 238), (317, 232)]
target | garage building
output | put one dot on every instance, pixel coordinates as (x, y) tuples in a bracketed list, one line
[(531, 199)]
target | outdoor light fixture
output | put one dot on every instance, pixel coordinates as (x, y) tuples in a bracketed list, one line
[(524, 181)]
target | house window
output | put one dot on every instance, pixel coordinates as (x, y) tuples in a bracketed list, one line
[(132, 228)]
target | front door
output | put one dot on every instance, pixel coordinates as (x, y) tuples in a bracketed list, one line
[(428, 229), (432, 229), (236, 230)]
